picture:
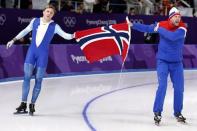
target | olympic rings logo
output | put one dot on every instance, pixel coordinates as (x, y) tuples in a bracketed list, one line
[(70, 21), (2, 19), (137, 21)]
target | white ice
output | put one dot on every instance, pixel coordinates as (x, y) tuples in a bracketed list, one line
[(119, 103)]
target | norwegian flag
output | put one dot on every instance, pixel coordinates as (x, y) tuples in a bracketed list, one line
[(97, 43)]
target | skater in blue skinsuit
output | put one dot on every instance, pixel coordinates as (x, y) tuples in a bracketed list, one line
[(169, 60), (43, 30)]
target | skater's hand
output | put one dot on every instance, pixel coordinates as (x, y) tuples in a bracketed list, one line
[(73, 35), (10, 43), (156, 28), (130, 24)]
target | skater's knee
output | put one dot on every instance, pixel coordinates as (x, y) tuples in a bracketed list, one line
[(179, 90), (39, 80), (163, 84), (40, 74), (37, 89), (162, 87), (27, 76), (28, 69)]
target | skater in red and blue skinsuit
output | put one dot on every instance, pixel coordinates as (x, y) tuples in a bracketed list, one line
[(169, 60)]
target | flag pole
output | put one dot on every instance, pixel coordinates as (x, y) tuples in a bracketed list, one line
[(122, 66)]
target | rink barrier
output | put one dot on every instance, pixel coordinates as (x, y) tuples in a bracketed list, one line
[(69, 60)]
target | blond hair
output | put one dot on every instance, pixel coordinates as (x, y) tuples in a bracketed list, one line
[(50, 6)]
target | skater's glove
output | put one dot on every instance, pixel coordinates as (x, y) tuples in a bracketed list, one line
[(156, 28), (73, 35), (10, 43), (130, 24)]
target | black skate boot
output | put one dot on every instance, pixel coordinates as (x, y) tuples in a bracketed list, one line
[(157, 118), (180, 117), (21, 109), (31, 109)]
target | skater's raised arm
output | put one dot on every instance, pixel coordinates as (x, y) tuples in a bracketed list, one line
[(143, 27), (63, 34)]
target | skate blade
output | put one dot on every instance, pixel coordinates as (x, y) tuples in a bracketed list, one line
[(31, 114), (18, 113), (182, 122), (157, 123)]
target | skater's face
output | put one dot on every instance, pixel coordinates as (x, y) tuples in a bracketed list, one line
[(48, 13), (175, 20)]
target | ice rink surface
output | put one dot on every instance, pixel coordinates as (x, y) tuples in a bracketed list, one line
[(100, 102)]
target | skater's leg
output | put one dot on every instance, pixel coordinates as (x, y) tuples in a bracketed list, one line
[(177, 78), (162, 74), (36, 91), (28, 70), (40, 72)]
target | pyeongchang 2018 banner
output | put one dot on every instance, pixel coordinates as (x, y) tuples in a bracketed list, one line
[(72, 22)]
